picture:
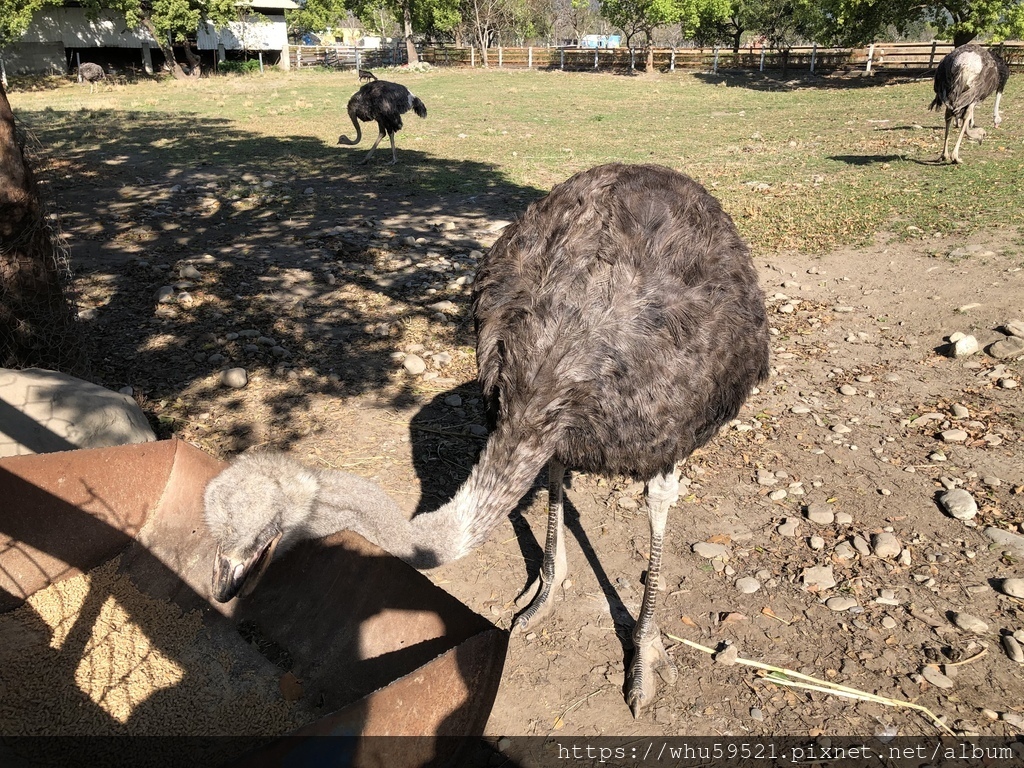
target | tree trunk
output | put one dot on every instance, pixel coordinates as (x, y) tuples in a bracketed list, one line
[(37, 322), (736, 40), (166, 49), (193, 61), (649, 65), (410, 46)]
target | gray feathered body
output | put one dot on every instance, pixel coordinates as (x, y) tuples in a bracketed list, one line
[(620, 325), (966, 76), (383, 102), (91, 72)]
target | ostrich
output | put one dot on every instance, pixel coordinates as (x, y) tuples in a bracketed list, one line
[(619, 325), (964, 77), (367, 75), (91, 74), (384, 102)]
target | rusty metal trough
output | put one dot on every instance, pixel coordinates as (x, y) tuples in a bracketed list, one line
[(383, 651)]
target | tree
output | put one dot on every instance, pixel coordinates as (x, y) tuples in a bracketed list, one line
[(634, 17), (15, 17), (719, 22), (855, 22), (317, 16)]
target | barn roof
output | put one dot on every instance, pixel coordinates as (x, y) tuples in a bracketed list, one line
[(288, 5)]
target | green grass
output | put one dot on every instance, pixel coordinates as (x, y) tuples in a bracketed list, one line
[(810, 168)]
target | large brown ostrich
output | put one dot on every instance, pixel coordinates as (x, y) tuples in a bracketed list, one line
[(385, 103), (620, 325)]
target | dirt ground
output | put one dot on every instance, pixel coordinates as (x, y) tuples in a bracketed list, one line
[(340, 281)]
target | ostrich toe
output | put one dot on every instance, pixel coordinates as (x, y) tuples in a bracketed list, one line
[(650, 657), (541, 599)]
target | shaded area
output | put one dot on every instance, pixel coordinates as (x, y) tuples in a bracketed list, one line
[(798, 80), (277, 254)]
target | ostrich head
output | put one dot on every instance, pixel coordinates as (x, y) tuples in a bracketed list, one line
[(257, 506)]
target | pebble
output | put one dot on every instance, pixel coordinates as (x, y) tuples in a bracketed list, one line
[(756, 714), (1014, 588), (216, 358), (820, 513), (965, 346), (709, 550), (954, 436), (847, 389), (766, 477), (778, 495), (414, 364), (839, 604), (886, 545), (936, 678), (728, 656), (164, 294), (889, 622), (960, 412), (862, 546), (1006, 539), (841, 429), (453, 400), (789, 527), (969, 623), (844, 518), (800, 409), (1014, 328), (234, 377), (748, 585), (1011, 346), (478, 429), (1008, 383), (818, 576), (959, 504), (844, 551), (1013, 649)]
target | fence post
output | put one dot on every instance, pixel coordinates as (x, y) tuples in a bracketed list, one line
[(595, 57), (714, 66), (78, 63), (261, 62), (472, 56), (529, 58), (499, 57), (931, 58), (672, 61), (814, 56), (871, 53), (632, 58), (357, 60), (561, 64), (761, 68)]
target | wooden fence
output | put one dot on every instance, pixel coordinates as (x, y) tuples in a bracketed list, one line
[(890, 58)]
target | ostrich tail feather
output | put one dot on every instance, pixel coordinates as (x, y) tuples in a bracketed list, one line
[(419, 107)]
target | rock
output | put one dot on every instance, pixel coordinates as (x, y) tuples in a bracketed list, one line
[(414, 364), (819, 577), (748, 585), (960, 412), (727, 656), (847, 389), (959, 503), (1013, 649), (789, 527), (60, 413), (862, 546), (710, 551), (778, 494), (936, 678), (1014, 328), (1013, 587), (840, 604), (766, 477), (1008, 383), (478, 429), (234, 377), (844, 551), (954, 436), (885, 545), (889, 622), (1013, 541), (453, 400), (820, 513), (189, 272), (443, 306), (841, 429), (164, 294), (965, 346), (844, 518), (816, 543), (969, 623), (216, 359), (1011, 346)]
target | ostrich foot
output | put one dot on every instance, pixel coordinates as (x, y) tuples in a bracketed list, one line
[(650, 656), (540, 605)]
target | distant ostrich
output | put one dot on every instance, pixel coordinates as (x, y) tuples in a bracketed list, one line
[(620, 325), (965, 77), (367, 75), (91, 74), (384, 103)]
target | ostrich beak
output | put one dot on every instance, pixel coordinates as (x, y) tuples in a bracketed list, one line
[(237, 574)]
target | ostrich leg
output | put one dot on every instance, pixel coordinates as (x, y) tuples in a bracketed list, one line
[(370, 153), (945, 140), (968, 119), (649, 655), (394, 157), (554, 568)]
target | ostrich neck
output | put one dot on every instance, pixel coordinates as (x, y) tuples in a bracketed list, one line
[(359, 131), (504, 473)]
